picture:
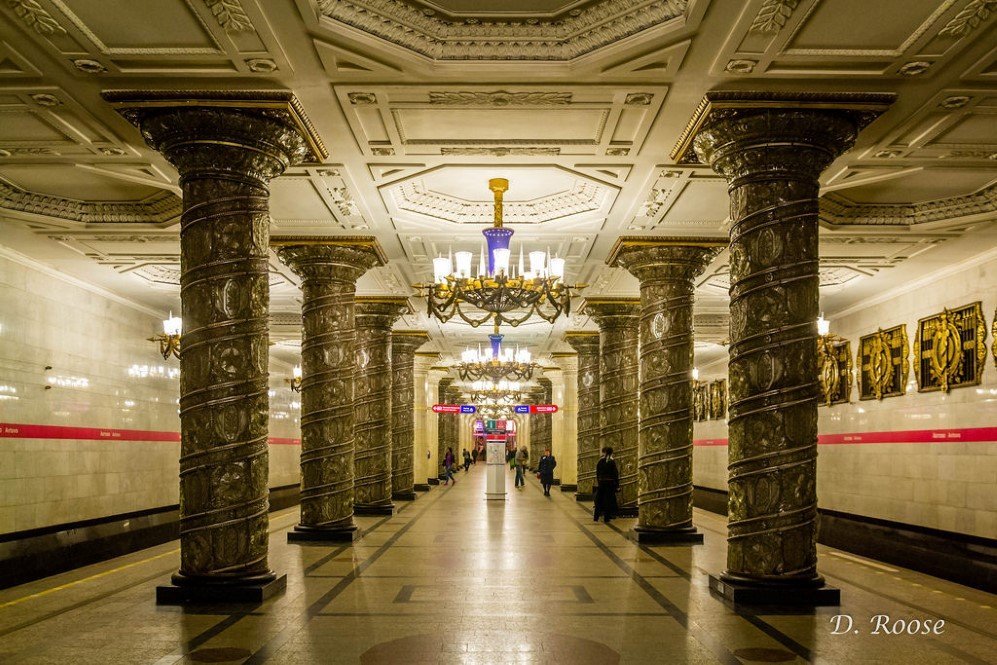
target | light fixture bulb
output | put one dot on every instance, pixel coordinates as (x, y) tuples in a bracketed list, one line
[(695, 374), (463, 260), (501, 258), (823, 325), (172, 325), (296, 371)]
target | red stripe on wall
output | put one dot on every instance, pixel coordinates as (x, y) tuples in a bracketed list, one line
[(967, 435), (20, 431)]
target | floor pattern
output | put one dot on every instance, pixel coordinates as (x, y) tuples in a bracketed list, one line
[(453, 578)]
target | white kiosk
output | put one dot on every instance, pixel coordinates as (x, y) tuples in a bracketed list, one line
[(495, 470)]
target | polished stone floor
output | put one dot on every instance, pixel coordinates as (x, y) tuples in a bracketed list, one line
[(452, 578)]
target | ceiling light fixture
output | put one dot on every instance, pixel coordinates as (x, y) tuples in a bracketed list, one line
[(497, 363), (502, 292)]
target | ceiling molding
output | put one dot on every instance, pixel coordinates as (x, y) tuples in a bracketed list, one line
[(160, 209), (440, 37), (838, 210)]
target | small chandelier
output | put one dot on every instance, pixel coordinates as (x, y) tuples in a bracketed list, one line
[(503, 293), (496, 364), (169, 341), (500, 393)]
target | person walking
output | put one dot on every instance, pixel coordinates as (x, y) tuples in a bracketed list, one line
[(448, 463), (474, 455), (545, 469), (607, 478), (467, 460), (522, 459)]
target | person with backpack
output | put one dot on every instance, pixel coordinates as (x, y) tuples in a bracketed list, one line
[(522, 459), (448, 462)]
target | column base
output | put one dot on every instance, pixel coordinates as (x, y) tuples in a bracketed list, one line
[(421, 487), (626, 511), (403, 496), (433, 481), (188, 591), (773, 594), (309, 534), (374, 509), (557, 482), (651, 536), (582, 496), (568, 488)]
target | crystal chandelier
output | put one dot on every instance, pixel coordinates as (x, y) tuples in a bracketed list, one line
[(500, 393), (497, 363), (499, 291)]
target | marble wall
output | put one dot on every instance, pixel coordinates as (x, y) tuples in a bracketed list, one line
[(947, 486), (73, 357)]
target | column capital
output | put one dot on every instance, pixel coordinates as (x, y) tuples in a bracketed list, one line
[(407, 341), (729, 122), (329, 258), (258, 133), (380, 311), (583, 341), (664, 258), (612, 312)]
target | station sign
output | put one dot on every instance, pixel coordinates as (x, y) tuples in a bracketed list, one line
[(536, 408), (454, 408)]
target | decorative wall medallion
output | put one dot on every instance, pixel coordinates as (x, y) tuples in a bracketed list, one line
[(617, 152), (915, 68), (954, 102), (362, 98), (261, 65), (950, 349), (45, 99), (363, 359), (993, 336), (741, 66), (638, 98), (883, 363), (834, 367), (588, 379), (658, 325), (718, 399)]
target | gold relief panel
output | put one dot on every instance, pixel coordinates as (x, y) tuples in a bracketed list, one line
[(883, 363), (834, 366), (718, 399), (950, 349), (993, 336), (700, 400)]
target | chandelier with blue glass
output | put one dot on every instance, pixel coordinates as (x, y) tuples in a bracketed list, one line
[(499, 290), (496, 363)]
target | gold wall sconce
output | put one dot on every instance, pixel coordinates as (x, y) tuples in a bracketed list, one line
[(169, 340), (295, 380)]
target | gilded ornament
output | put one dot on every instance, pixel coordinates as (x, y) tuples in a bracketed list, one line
[(950, 349), (883, 363), (834, 366), (993, 335)]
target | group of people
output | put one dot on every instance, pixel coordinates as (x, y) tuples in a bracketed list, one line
[(607, 475)]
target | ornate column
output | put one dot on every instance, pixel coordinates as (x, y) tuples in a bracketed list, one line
[(403, 346), (618, 319), (772, 147), (423, 420), (666, 268), (452, 420), (329, 269), (537, 396), (589, 428), (566, 431), (372, 403), (443, 425), (555, 421), (434, 394), (226, 147)]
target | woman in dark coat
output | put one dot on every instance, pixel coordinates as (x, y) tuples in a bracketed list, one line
[(607, 478), (545, 469)]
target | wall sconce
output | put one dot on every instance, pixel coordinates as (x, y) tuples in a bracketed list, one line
[(169, 341), (295, 380), (823, 325)]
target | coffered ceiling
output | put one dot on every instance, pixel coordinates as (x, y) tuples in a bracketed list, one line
[(576, 102)]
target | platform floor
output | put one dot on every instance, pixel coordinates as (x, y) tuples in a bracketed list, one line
[(452, 578)]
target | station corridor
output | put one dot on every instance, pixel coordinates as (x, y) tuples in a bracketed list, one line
[(453, 578)]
